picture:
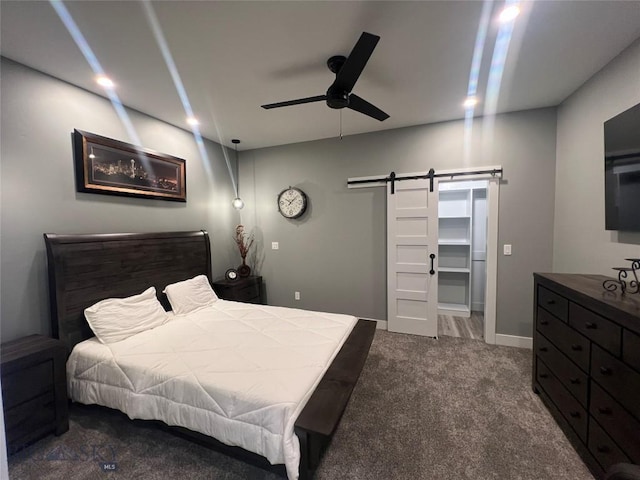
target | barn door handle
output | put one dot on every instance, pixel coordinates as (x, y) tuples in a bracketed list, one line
[(432, 257)]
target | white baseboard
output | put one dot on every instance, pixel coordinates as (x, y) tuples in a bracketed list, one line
[(514, 341), (501, 339)]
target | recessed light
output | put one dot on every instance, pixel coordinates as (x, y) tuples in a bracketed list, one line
[(193, 121), (509, 13), (105, 82), (470, 102)]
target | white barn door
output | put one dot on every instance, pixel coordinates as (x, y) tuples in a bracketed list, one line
[(412, 275)]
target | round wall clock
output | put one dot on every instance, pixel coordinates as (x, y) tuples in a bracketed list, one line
[(231, 274), (292, 202)]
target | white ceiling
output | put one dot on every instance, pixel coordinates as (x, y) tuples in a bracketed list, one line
[(234, 56)]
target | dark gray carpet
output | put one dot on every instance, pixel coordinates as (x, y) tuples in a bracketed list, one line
[(451, 408)]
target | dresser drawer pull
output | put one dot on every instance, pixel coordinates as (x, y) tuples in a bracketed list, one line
[(544, 322), (575, 414), (605, 371), (603, 449), (544, 375), (575, 381), (576, 348), (591, 325), (551, 302), (605, 410), (543, 349)]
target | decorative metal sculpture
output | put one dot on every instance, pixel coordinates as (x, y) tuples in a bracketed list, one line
[(625, 283)]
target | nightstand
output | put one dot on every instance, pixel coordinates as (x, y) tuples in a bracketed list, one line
[(34, 389), (244, 289)]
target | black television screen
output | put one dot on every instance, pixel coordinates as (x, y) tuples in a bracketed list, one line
[(622, 171)]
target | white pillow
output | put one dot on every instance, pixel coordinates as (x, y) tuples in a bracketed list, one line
[(189, 295), (115, 319)]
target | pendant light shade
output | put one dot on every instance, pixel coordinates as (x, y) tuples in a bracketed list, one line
[(237, 202)]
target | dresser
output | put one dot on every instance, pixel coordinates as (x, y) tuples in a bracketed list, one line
[(586, 365), (34, 389), (244, 289)]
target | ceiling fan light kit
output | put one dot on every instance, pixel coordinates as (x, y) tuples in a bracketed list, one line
[(347, 71)]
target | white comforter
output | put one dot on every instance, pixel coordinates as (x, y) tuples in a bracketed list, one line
[(238, 372)]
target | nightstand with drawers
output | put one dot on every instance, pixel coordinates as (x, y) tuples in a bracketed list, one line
[(586, 365), (244, 289), (34, 389)]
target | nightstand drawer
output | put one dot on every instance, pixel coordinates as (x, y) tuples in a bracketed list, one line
[(34, 389), (22, 419), (603, 448), (553, 303), (602, 331), (574, 345), (570, 408), (248, 293), (574, 379), (613, 418), (619, 380), (245, 289), (16, 390)]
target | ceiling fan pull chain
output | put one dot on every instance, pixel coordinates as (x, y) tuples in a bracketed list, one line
[(340, 124)]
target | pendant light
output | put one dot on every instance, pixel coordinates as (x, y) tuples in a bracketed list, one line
[(237, 202)]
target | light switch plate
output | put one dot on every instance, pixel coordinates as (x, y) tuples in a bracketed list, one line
[(507, 249), (275, 246)]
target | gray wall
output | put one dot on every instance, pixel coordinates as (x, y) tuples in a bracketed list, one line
[(335, 255), (581, 243), (38, 114)]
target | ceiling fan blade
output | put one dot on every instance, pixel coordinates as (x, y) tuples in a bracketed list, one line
[(299, 101), (360, 105), (355, 63)]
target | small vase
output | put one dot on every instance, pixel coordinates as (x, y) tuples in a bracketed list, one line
[(244, 270)]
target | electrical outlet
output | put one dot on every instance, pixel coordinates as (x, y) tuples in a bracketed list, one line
[(296, 295), (275, 246), (507, 249)]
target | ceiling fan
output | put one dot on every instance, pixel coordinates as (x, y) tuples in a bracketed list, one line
[(347, 70)]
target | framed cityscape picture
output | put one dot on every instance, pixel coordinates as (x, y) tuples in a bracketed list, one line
[(111, 167)]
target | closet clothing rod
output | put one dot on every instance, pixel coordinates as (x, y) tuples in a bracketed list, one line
[(431, 175)]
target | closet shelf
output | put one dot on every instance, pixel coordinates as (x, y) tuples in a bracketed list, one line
[(454, 269), (453, 242)]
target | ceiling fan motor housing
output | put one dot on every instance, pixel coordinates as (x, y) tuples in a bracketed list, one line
[(337, 98)]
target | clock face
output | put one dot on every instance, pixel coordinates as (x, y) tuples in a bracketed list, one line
[(292, 202), (231, 274)]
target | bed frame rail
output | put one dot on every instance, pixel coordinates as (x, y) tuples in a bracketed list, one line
[(318, 420)]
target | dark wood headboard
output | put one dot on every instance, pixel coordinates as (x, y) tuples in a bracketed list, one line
[(84, 269)]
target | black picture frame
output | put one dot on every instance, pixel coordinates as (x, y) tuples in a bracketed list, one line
[(112, 167)]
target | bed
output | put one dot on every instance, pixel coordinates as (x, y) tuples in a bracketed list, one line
[(84, 269)]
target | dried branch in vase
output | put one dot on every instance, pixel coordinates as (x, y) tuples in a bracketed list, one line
[(244, 243)]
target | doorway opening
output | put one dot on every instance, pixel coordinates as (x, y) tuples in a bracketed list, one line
[(462, 253)]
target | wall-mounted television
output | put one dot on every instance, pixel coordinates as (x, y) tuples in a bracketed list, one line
[(622, 171)]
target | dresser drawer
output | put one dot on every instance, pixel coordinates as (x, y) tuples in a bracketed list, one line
[(619, 380), (602, 331), (566, 339), (16, 390), (603, 448), (553, 303), (614, 418), (570, 408), (631, 349), (574, 379)]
